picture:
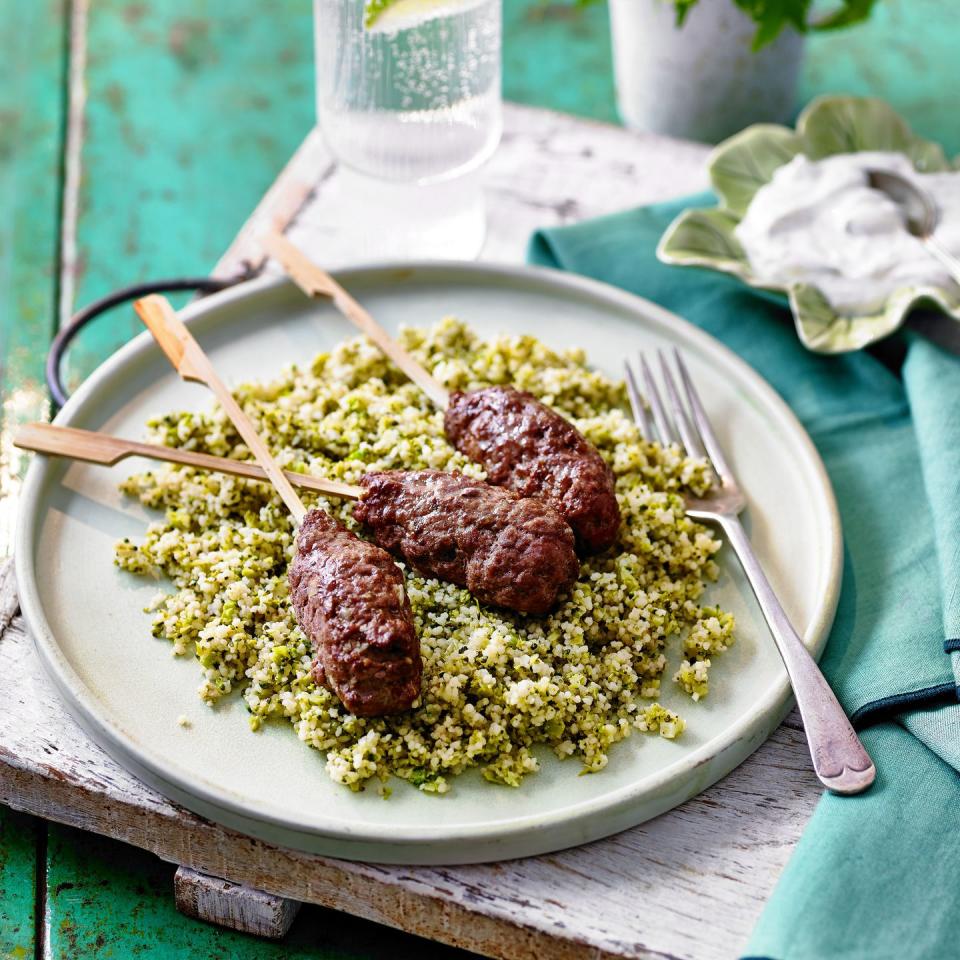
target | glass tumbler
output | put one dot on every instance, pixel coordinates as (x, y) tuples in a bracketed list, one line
[(409, 104)]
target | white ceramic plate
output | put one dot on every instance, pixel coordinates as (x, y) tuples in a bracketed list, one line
[(127, 690)]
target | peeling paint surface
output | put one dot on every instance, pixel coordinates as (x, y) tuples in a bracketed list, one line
[(108, 900), (32, 83), (18, 861), (192, 108)]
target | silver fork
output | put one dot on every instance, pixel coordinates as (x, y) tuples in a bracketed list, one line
[(839, 758)]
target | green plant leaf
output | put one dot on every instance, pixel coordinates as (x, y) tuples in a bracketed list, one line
[(740, 166), (771, 16), (683, 7), (846, 15)]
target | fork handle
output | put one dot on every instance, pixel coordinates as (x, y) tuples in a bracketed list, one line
[(839, 758)]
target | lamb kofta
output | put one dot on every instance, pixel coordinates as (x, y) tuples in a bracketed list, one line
[(349, 600), (523, 444), (348, 595), (507, 550), (528, 448)]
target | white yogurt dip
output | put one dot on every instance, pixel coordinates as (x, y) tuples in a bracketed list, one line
[(818, 222)]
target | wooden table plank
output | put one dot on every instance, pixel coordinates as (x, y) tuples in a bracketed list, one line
[(107, 899), (31, 119), (689, 884), (233, 905), (556, 54), (550, 169), (190, 111), (18, 878)]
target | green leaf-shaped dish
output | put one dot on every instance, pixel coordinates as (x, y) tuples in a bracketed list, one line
[(744, 163)]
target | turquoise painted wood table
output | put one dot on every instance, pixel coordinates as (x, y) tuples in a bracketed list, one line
[(134, 141)]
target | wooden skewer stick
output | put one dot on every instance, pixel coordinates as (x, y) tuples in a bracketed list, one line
[(317, 283), (192, 363), (93, 447)]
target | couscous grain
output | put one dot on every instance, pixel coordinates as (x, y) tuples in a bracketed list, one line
[(494, 685)]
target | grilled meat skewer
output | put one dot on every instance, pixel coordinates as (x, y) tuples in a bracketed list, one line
[(347, 594), (522, 443), (535, 452), (508, 551)]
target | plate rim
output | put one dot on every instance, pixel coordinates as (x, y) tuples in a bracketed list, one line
[(763, 715)]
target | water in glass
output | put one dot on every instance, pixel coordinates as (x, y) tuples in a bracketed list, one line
[(416, 97)]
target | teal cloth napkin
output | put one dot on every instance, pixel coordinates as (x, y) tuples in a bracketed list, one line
[(872, 876)]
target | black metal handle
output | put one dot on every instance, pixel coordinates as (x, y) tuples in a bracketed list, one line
[(80, 319)]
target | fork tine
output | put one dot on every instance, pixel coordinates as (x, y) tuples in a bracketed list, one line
[(664, 427), (710, 441), (688, 433), (641, 414)]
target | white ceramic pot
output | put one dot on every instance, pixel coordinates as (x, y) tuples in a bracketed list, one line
[(701, 81)]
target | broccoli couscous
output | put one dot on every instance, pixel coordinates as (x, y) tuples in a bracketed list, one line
[(495, 684)]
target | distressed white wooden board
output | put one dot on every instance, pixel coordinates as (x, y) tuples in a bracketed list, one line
[(689, 884), (550, 169), (233, 905)]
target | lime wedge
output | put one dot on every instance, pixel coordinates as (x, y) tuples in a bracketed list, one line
[(389, 16)]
